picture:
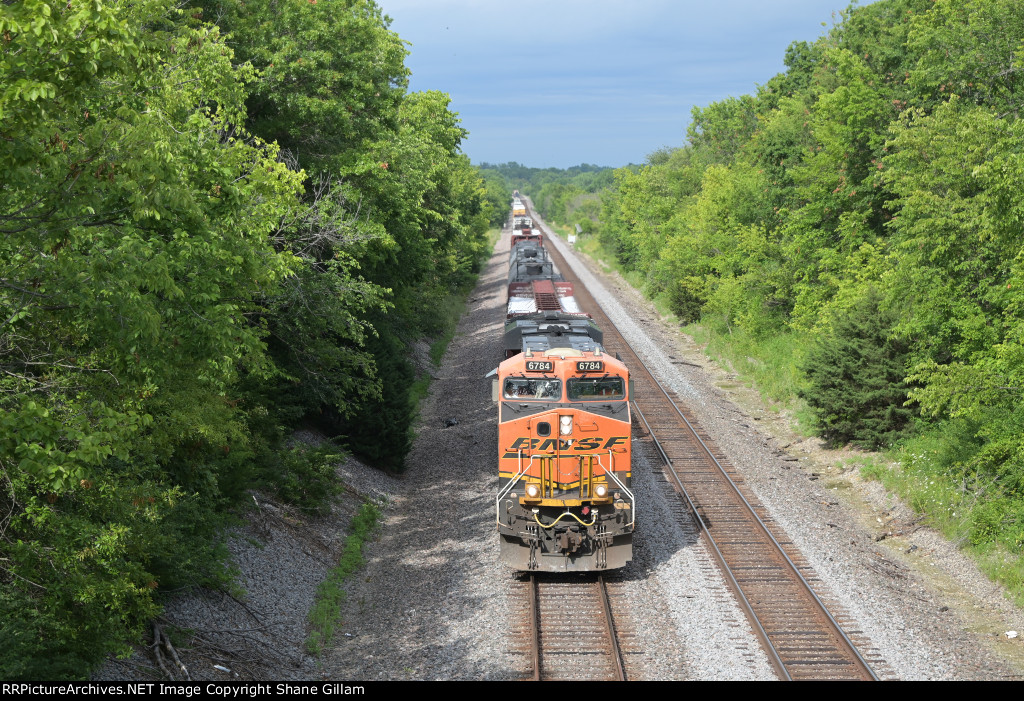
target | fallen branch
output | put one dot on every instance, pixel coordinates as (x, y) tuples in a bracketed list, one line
[(174, 656), (157, 636)]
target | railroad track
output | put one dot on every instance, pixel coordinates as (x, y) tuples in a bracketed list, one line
[(571, 629), (801, 638)]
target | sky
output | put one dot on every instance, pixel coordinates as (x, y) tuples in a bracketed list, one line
[(556, 83)]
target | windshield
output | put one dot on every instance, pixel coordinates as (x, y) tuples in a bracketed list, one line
[(533, 388), (596, 388)]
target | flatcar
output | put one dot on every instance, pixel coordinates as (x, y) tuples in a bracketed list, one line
[(564, 501), (522, 224), (542, 312)]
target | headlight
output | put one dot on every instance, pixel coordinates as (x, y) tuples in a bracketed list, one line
[(601, 490), (532, 490), (565, 425)]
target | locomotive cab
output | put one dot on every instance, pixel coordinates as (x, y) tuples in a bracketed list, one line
[(564, 501)]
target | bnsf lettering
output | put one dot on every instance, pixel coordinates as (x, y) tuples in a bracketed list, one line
[(524, 443), (583, 445)]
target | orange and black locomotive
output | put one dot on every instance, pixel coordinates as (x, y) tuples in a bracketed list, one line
[(564, 501)]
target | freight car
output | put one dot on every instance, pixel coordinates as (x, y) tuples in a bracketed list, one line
[(522, 225), (529, 262), (542, 314)]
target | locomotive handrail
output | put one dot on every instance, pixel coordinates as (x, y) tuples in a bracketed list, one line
[(508, 487), (607, 470), (611, 473)]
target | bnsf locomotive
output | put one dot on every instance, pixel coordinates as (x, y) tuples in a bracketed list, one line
[(564, 502)]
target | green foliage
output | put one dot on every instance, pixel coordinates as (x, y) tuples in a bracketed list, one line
[(970, 48), (83, 568), (199, 237), (331, 76), (497, 196), (886, 157), (855, 379), (561, 196), (394, 219), (772, 363), (720, 130), (944, 471), (302, 476), (135, 217), (381, 431)]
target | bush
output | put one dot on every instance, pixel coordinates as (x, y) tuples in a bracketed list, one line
[(856, 377), (303, 476), (82, 572)]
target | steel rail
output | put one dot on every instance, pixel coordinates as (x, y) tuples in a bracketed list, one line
[(534, 628), (613, 638), (748, 610), (757, 519), (774, 657), (568, 632)]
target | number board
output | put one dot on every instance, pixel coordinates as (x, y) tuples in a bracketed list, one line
[(590, 366), (539, 366)]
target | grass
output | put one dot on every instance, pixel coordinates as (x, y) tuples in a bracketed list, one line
[(969, 510), (591, 246), (771, 364), (325, 615), (927, 470), (449, 312)]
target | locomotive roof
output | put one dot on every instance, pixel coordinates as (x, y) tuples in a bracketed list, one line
[(565, 358), (541, 343)]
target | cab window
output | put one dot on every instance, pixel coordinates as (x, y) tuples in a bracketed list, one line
[(583, 389), (533, 389)]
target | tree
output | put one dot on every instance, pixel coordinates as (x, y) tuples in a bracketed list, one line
[(855, 374), (135, 216)]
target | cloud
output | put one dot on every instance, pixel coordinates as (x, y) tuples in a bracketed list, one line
[(593, 78)]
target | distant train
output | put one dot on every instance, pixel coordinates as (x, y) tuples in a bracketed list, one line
[(565, 501)]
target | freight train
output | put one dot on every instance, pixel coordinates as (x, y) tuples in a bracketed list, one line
[(564, 502)]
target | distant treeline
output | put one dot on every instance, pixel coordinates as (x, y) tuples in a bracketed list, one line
[(219, 221), (567, 196), (854, 232)]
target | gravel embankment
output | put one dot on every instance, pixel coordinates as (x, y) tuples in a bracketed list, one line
[(259, 632), (434, 602), (926, 608)]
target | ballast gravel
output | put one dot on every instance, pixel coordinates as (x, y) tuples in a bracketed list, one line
[(433, 602), (926, 610)]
